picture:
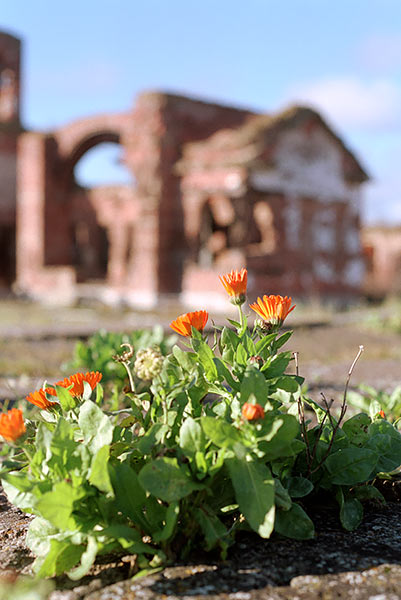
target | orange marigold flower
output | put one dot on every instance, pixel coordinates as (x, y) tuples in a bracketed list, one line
[(183, 323), (251, 412), (39, 399), (12, 425), (77, 383), (273, 309), (235, 285)]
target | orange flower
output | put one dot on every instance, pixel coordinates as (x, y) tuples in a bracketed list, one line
[(77, 383), (273, 309), (382, 414), (12, 425), (235, 285), (251, 412), (39, 399), (183, 323)]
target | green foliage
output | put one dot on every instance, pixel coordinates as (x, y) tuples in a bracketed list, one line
[(180, 466), (372, 401), (95, 354)]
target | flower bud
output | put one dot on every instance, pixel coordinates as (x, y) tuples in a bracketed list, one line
[(256, 360), (265, 327), (251, 412)]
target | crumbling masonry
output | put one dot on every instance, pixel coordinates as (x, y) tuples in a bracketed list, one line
[(215, 188)]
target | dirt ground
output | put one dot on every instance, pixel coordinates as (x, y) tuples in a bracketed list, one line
[(335, 564)]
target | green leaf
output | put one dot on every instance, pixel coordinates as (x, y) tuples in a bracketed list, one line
[(167, 480), (57, 505), (62, 557), (351, 513), (152, 438), (248, 344), (282, 498), (67, 401), (282, 340), (277, 435), (298, 487), (130, 496), (172, 513), (349, 466), (386, 441), (229, 338), (277, 365), (38, 536), (184, 359), (192, 438), (206, 357), (254, 490), (356, 429), (241, 355), (99, 394), (95, 425), (221, 433), (294, 523), (212, 528), (128, 538), (62, 456), (224, 373), (87, 560), (19, 491), (264, 342), (229, 341), (254, 383), (368, 492), (99, 472), (388, 450)]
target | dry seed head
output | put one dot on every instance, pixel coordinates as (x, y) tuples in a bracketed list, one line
[(126, 356), (148, 363)]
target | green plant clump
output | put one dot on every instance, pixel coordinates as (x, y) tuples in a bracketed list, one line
[(96, 353), (218, 444)]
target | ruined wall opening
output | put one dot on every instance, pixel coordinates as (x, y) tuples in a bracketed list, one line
[(97, 174), (212, 238), (103, 164)]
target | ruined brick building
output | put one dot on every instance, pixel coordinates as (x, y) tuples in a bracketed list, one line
[(216, 188), (382, 246)]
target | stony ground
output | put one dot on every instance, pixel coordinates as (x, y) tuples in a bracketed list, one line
[(336, 564)]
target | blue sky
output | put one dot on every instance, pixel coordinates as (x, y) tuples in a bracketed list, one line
[(83, 57)]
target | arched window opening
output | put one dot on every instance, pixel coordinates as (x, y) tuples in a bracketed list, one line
[(103, 165), (100, 174)]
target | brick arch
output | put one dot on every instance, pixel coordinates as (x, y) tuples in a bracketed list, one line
[(80, 133), (90, 142), (76, 138)]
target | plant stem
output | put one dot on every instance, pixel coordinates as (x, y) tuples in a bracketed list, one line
[(241, 318), (130, 378)]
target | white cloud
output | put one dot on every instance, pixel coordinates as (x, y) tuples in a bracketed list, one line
[(352, 103)]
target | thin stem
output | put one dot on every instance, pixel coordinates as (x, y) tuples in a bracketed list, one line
[(130, 378), (296, 356), (304, 433), (241, 317), (342, 411)]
